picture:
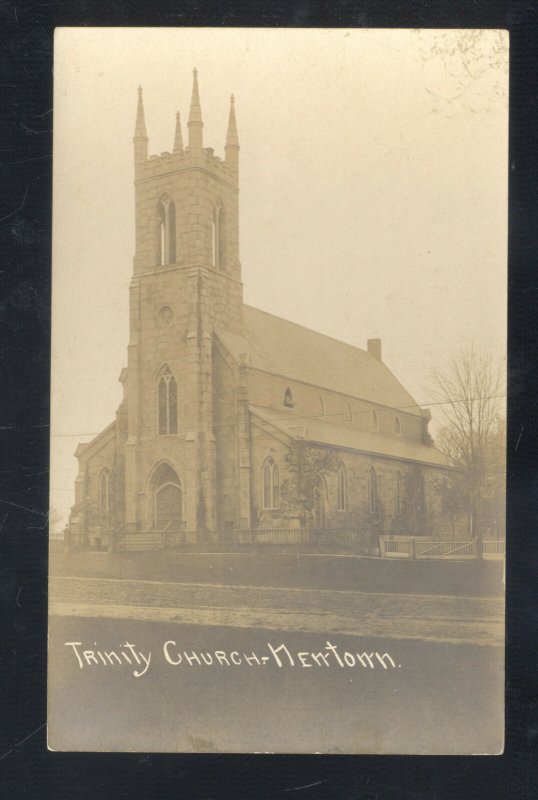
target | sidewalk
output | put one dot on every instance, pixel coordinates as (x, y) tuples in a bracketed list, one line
[(453, 620)]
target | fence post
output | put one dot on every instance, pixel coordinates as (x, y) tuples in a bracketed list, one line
[(412, 548)]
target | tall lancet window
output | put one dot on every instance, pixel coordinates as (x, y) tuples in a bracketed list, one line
[(171, 232), (270, 484), (398, 494), (288, 398), (214, 228), (421, 498), (166, 232), (218, 237), (104, 490), (161, 235), (341, 487), (167, 402), (221, 238), (372, 491)]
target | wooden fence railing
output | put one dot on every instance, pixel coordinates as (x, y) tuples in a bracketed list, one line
[(128, 537), (124, 539), (417, 547)]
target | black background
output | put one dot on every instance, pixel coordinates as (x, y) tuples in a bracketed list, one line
[(27, 769)]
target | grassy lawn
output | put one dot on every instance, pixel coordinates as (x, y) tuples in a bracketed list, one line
[(465, 578)]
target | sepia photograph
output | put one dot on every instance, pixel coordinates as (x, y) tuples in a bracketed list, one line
[(278, 390)]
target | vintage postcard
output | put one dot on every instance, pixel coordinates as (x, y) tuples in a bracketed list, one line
[(278, 391)]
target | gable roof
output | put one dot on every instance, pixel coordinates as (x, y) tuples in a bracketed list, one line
[(284, 348), (86, 450)]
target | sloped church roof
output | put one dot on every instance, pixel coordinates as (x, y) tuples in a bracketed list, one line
[(328, 431), (284, 348)]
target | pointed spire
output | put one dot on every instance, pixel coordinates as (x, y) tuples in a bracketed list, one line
[(232, 139), (140, 138), (178, 139), (231, 147), (195, 124), (140, 125)]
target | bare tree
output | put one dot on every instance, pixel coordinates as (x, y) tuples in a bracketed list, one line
[(469, 395)]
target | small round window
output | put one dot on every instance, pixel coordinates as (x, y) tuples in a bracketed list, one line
[(164, 315)]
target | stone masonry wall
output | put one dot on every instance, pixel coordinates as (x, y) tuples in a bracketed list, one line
[(357, 513), (226, 436), (196, 183), (174, 309)]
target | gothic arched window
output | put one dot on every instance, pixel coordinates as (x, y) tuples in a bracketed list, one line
[(214, 239), (104, 490), (398, 494), (288, 398), (342, 487), (372, 491), (421, 497), (320, 502), (167, 405), (321, 406), (348, 416), (161, 242), (270, 484), (171, 232), (374, 420), (218, 237), (221, 238), (397, 427), (166, 232)]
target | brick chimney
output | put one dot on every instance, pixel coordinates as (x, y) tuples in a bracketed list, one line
[(374, 348)]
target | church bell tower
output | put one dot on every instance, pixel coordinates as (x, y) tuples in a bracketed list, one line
[(186, 284)]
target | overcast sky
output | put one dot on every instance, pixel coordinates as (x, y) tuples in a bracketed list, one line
[(373, 192)]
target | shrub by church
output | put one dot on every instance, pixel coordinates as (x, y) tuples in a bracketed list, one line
[(233, 419)]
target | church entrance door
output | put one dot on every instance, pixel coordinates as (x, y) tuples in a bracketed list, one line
[(167, 499), (168, 507)]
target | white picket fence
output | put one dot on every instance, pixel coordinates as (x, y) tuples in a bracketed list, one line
[(417, 547)]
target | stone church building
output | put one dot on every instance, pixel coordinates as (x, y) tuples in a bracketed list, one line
[(233, 419)]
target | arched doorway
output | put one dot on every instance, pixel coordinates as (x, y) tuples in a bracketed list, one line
[(167, 499), (320, 497)]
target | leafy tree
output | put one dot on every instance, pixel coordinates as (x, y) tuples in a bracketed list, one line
[(305, 463)]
